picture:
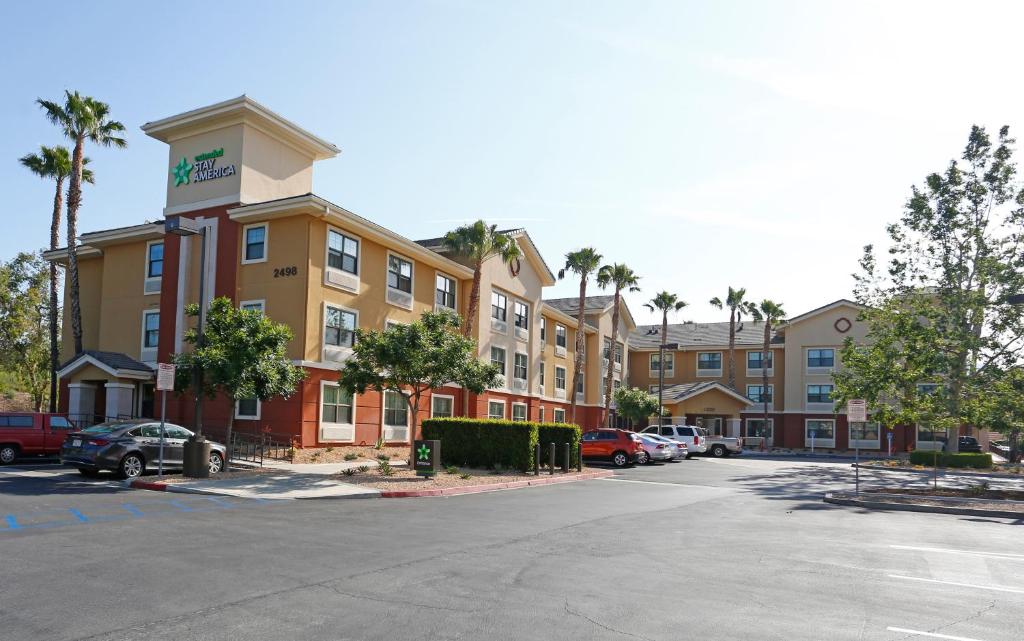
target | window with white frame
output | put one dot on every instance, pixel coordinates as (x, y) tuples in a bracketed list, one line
[(337, 413), (542, 366), (560, 336), (559, 377), (150, 329), (496, 409), (559, 415), (579, 383), (399, 274), (655, 363), (928, 438), (247, 408), (342, 252), (444, 292), (760, 393), (756, 428), (521, 315), (819, 394), (499, 306), (442, 406), (498, 357), (540, 414), (154, 266), (396, 411), (822, 431), (607, 352), (709, 363), (867, 435), (821, 357), (519, 366), (756, 360), (518, 411), (255, 243), (543, 330), (339, 327), (619, 349)]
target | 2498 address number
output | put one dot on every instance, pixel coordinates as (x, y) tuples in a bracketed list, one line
[(281, 272)]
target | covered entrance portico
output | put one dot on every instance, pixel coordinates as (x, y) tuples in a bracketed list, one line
[(103, 386), (710, 405)]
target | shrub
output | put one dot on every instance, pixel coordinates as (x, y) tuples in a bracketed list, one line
[(559, 434), (351, 471), (483, 443), (465, 475), (451, 469), (385, 468), (351, 456), (383, 457), (974, 460), (363, 468)]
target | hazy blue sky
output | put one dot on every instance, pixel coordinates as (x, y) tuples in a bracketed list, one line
[(755, 144)]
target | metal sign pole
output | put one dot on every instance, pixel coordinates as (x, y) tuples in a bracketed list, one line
[(163, 415), (856, 456)]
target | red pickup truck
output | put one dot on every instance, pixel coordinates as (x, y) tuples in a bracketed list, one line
[(31, 434)]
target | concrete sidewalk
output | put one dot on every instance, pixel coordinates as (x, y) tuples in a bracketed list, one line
[(271, 486), (319, 468)]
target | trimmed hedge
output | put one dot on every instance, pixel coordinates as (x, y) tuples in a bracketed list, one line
[(486, 443), (974, 460), (559, 434)]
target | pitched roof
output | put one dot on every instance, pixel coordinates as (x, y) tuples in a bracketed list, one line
[(824, 308), (437, 245), (686, 390), (590, 303), (115, 363), (748, 333)]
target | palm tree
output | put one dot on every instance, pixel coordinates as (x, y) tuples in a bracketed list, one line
[(665, 303), (583, 263), (477, 242), (54, 163), (738, 306), (771, 313), (623, 278), (81, 118)]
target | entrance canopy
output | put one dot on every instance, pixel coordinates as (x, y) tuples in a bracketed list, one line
[(104, 386), (708, 404)]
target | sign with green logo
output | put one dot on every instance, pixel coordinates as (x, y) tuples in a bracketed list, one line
[(426, 457), (205, 168)]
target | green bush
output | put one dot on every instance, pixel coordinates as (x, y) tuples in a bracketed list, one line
[(483, 443), (974, 460), (559, 434)]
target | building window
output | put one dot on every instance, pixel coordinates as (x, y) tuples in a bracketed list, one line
[(442, 406), (396, 411), (819, 394), (255, 250), (820, 430), (655, 363), (540, 414), (496, 409), (560, 336), (821, 357), (559, 378), (155, 260), (759, 393), (559, 415), (864, 434), (619, 349), (542, 375), (444, 295), (335, 405), (521, 315), (339, 327), (709, 361), (607, 353), (252, 305), (499, 306), (518, 411), (342, 252), (756, 428), (399, 274), (579, 384), (519, 366), (150, 329), (498, 358), (247, 408), (756, 360), (543, 330)]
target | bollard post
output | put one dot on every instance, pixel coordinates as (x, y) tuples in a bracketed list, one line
[(536, 459), (551, 457), (565, 463), (579, 457)]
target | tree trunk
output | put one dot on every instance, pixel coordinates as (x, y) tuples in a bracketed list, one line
[(577, 366), (764, 381), (611, 359), (231, 427), (732, 349), (74, 202), (661, 367), (414, 409), (474, 303), (58, 205)]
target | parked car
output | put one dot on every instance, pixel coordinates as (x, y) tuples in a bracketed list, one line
[(969, 444), (676, 448), (655, 450), (130, 447), (692, 436), (618, 446), (31, 434)]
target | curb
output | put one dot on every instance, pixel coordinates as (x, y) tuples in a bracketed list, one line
[(843, 499), (967, 472), (156, 486), (492, 487)]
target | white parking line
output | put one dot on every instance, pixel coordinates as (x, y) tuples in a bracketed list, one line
[(710, 487), (930, 634), (997, 588), (1007, 556)]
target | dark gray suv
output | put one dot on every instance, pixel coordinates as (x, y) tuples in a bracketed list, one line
[(130, 447)]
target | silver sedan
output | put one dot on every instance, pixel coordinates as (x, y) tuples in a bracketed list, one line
[(656, 449)]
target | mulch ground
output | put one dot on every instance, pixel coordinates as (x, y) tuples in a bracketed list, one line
[(966, 493), (405, 479), (338, 454), (223, 476)]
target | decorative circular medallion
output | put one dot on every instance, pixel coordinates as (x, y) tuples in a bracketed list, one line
[(515, 266), (842, 325)]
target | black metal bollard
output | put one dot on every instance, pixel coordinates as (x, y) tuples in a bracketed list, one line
[(551, 458), (565, 463), (536, 459), (579, 458)]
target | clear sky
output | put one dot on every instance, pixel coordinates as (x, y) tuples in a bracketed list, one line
[(754, 144)]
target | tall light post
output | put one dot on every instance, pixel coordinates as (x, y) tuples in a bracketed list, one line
[(197, 450), (661, 379)]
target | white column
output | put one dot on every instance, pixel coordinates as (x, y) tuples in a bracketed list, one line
[(81, 401), (732, 427), (120, 399)]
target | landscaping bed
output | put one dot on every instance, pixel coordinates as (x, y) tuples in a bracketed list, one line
[(405, 479), (909, 501), (903, 464), (977, 492), (354, 453), (222, 476)]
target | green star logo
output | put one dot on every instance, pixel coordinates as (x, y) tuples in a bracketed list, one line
[(181, 172), (423, 453)]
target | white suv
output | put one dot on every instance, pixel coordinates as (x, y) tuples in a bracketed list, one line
[(694, 437)]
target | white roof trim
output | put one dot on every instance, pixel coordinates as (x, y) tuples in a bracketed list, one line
[(87, 359), (842, 302), (710, 386)]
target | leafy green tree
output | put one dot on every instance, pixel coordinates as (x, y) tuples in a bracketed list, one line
[(243, 354), (582, 263), (1003, 408), (621, 277), (476, 243), (636, 404), (80, 118), (24, 320), (954, 264), (54, 163), (738, 305), (771, 314), (663, 302), (414, 359)]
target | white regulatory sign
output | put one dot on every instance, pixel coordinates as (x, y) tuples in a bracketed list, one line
[(856, 410), (165, 377)]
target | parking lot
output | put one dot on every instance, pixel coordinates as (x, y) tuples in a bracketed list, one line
[(735, 548)]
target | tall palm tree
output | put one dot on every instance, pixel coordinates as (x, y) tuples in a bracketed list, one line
[(623, 278), (476, 243), (54, 163), (738, 306), (583, 263), (771, 313), (663, 302), (81, 118)]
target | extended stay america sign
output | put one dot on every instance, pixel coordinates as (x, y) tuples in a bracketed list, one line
[(205, 167)]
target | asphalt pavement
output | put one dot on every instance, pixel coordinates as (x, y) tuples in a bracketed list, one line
[(699, 549)]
